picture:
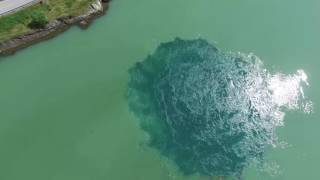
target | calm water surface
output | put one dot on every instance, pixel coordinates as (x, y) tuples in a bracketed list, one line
[(64, 115)]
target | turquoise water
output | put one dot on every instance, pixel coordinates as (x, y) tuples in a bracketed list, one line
[(64, 115)]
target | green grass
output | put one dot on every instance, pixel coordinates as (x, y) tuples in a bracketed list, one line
[(17, 24)]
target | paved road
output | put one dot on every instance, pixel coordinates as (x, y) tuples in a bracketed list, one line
[(7, 6)]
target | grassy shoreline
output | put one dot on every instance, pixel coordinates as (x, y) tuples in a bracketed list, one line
[(16, 24)]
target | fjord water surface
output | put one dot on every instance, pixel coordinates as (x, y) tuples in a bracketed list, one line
[(64, 115)]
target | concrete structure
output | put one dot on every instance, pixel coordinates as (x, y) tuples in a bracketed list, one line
[(11, 6)]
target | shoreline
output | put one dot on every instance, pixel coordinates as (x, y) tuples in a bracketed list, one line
[(54, 28)]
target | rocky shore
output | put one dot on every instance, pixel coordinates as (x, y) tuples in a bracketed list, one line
[(53, 28)]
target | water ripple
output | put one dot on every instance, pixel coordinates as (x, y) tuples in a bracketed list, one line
[(211, 112)]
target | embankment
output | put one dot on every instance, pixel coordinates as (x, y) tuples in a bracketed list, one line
[(53, 28)]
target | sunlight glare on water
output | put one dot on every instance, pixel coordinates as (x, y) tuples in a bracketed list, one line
[(287, 90)]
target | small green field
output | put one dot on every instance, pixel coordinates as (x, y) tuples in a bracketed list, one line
[(19, 23)]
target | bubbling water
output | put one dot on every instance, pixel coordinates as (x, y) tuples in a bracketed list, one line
[(211, 112)]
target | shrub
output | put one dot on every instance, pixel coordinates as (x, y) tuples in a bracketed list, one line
[(38, 21)]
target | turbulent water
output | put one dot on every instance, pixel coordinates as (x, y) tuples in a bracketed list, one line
[(211, 112)]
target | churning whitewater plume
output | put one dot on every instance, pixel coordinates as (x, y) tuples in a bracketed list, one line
[(210, 111)]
